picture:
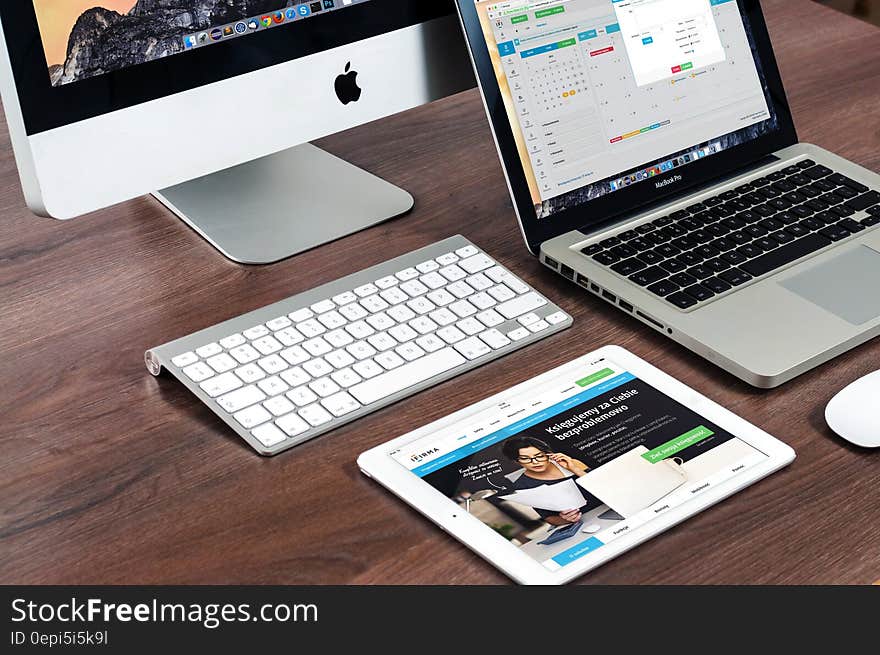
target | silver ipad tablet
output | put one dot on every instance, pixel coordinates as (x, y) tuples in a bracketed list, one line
[(556, 476)]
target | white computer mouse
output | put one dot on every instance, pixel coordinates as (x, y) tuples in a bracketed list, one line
[(592, 528), (854, 413)]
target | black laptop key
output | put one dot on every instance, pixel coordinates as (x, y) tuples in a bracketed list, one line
[(864, 201), (676, 230), (799, 180), (753, 198), (589, 251), (729, 195), (712, 202), (689, 224), (761, 181), (640, 244), (791, 170), (716, 285), (817, 205), (782, 237), (740, 237), (682, 300), (827, 217), (689, 258), (623, 251), (663, 288), (650, 257), (843, 180), (700, 272), (610, 242), (806, 163), (629, 266), (662, 222), (706, 251), (843, 211), (769, 192), (673, 266), (771, 224), (744, 188), (737, 205), (657, 238), (810, 191), (667, 250), (797, 230), (824, 185), (818, 172), (684, 243), (786, 217), (701, 236), (802, 211), (718, 265), (699, 292), (723, 245), (755, 231), (734, 257), (697, 208), (628, 235), (717, 230), (795, 198), (645, 228), (683, 279), (735, 277), (835, 232), (648, 276), (832, 198), (784, 186), (765, 210), (767, 244), (851, 225), (779, 204), (846, 192), (871, 220), (776, 176), (750, 251), (786, 254), (606, 258), (733, 223), (749, 216), (812, 223), (681, 213), (874, 211)]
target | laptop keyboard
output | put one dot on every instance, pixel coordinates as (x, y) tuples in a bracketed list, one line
[(695, 254)]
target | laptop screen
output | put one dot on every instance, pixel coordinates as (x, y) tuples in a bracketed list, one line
[(606, 94)]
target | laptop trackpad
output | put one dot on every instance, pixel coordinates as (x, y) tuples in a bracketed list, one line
[(846, 286)]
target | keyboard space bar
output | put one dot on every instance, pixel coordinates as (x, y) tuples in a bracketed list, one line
[(406, 376), (785, 255)]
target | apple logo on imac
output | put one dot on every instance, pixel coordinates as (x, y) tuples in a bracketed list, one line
[(347, 89)]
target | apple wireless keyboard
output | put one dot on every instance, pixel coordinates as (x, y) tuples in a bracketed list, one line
[(301, 367)]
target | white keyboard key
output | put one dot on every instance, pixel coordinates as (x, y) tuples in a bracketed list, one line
[(423, 325), (406, 376), (311, 328), (268, 435), (296, 377), (366, 290), (401, 313), (323, 307), (374, 304), (516, 285), (462, 309), (368, 369), (345, 298), (340, 404), (221, 384), (339, 359), (389, 360), (473, 348), (198, 372), (332, 320), (476, 263), (338, 338), (430, 343), (528, 319), (480, 282), (250, 373), (237, 400), (279, 406), (267, 345), (245, 354), (359, 330), (403, 333), (482, 300), (518, 334), (407, 274), (316, 415), (460, 289), (494, 339), (354, 312), (289, 337), (441, 297), (381, 321), (428, 266), (273, 364), (209, 351), (443, 317), (467, 251), (295, 355), (450, 334), (256, 332), (317, 347), (292, 425), (521, 305), (394, 296), (421, 305), (302, 396), (317, 368), (470, 326), (539, 326), (414, 288), (453, 273), (557, 318), (490, 318), (324, 387), (222, 363), (252, 417), (497, 274), (501, 293), (301, 315), (184, 360), (232, 341), (447, 259), (361, 350), (273, 386), (409, 351), (346, 377), (433, 281), (387, 282), (278, 323), (382, 341)]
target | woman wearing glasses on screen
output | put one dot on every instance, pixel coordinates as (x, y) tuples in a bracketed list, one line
[(542, 466)]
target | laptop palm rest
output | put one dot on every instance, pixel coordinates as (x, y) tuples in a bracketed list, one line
[(846, 285)]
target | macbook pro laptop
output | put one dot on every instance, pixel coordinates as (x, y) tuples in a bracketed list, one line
[(652, 159)]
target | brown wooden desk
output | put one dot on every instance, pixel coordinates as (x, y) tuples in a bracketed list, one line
[(110, 476)]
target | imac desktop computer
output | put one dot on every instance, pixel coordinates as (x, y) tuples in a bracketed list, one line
[(210, 105)]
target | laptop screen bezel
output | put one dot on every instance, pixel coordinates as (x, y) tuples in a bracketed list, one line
[(615, 205)]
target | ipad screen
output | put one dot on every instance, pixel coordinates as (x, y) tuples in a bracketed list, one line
[(578, 462)]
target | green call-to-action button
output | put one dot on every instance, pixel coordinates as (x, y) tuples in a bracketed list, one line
[(549, 12), (520, 19), (687, 66), (567, 43), (595, 377), (678, 444)]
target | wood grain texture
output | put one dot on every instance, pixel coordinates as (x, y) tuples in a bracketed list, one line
[(110, 476)]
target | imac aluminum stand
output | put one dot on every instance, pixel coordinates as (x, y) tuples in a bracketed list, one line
[(272, 208)]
